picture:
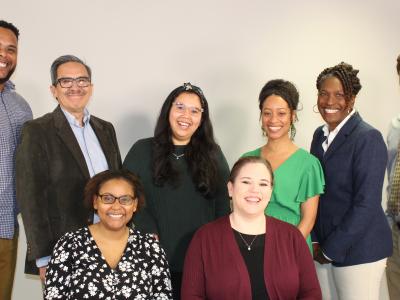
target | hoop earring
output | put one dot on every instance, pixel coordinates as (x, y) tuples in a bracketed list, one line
[(313, 109)]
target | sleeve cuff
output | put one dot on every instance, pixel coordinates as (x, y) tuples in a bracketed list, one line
[(43, 261)]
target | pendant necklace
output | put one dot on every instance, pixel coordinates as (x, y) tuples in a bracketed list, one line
[(247, 244), (178, 156)]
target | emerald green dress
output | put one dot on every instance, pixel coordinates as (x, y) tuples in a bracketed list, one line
[(297, 179)]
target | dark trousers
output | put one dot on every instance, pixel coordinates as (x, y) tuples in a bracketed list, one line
[(176, 281)]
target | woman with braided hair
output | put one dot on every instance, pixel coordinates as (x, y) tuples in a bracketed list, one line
[(351, 235)]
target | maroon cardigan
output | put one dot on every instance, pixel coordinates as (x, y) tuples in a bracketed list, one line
[(214, 267)]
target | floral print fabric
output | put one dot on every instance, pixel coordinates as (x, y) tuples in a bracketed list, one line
[(77, 270)]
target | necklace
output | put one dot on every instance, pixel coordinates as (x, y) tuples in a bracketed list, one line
[(247, 244), (178, 156)]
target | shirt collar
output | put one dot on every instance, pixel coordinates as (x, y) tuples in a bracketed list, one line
[(9, 86), (325, 129), (73, 121)]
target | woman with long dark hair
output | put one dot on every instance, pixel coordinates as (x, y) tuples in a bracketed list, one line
[(184, 173)]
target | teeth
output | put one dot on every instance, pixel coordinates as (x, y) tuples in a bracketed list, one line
[(274, 128), (252, 199), (115, 216), (183, 124), (331, 111), (2, 65)]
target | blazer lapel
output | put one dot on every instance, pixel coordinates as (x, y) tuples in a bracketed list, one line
[(66, 134), (105, 141), (319, 151), (341, 137)]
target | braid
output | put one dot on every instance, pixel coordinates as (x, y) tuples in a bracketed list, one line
[(347, 76)]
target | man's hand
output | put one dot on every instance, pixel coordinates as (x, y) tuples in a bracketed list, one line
[(42, 273), (318, 255)]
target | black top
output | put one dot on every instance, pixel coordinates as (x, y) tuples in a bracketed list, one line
[(254, 260), (175, 213), (78, 270)]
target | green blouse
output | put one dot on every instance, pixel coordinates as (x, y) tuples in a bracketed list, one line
[(297, 179)]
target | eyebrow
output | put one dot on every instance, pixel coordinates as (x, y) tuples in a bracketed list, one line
[(246, 177)]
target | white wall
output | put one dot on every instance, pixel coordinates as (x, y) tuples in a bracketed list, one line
[(140, 50)]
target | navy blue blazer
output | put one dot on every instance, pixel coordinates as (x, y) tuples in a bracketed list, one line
[(351, 226)]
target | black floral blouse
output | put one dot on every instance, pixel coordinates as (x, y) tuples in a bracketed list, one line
[(77, 270)]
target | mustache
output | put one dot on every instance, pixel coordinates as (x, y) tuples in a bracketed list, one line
[(79, 92)]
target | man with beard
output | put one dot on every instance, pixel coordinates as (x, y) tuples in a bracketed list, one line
[(58, 153), (14, 111)]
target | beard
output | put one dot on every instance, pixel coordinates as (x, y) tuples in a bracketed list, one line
[(7, 77)]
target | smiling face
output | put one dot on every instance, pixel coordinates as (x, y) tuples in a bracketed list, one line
[(182, 117), (276, 117), (115, 216), (8, 54), (75, 98), (251, 189), (333, 105)]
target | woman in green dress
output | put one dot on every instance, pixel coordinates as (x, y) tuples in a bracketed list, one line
[(299, 178)]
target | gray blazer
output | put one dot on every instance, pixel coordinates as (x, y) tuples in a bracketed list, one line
[(51, 175)]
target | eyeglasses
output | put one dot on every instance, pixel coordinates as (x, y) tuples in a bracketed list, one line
[(123, 200), (193, 111), (67, 82)]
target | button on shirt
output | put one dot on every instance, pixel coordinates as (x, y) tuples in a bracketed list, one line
[(91, 150), (14, 112)]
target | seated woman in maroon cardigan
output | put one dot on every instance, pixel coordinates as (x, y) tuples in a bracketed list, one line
[(248, 255)]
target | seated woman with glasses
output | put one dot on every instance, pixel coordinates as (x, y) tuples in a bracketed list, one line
[(109, 260), (248, 255), (184, 174)]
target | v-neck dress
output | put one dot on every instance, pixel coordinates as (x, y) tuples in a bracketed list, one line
[(78, 270), (297, 179)]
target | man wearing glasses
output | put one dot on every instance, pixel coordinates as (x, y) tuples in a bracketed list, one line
[(59, 152)]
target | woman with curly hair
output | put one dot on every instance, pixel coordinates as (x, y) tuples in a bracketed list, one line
[(298, 174), (109, 260), (184, 173), (351, 234)]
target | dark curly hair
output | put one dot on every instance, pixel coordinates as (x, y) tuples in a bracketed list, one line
[(200, 153), (287, 91), (347, 76), (95, 183), (10, 26)]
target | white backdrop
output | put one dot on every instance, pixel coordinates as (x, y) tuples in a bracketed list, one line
[(140, 50)]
